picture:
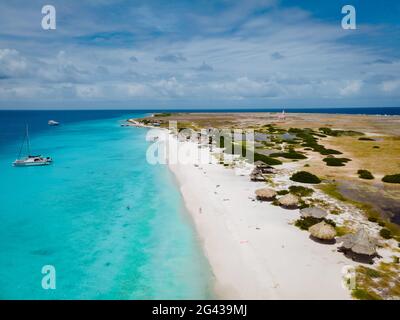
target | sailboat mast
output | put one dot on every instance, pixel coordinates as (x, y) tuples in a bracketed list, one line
[(27, 140)]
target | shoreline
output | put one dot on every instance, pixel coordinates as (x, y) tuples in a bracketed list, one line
[(253, 251), (260, 250)]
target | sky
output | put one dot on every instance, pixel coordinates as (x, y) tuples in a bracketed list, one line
[(199, 54)]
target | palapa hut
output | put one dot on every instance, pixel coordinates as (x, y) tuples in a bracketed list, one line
[(313, 212), (361, 244), (289, 201), (265, 194), (322, 231)]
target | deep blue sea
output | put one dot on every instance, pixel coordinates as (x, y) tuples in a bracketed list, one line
[(113, 226), (354, 110)]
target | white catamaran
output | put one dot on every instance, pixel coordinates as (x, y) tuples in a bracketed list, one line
[(30, 160), (53, 123)]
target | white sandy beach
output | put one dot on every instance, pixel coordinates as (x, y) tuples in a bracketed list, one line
[(253, 250)]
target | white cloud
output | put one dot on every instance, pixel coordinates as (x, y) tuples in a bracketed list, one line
[(88, 91), (351, 88), (276, 54), (390, 86), (12, 64)]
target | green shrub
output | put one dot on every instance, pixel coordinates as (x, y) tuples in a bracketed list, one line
[(365, 174), (282, 192), (366, 139), (385, 233), (331, 222), (339, 133), (288, 155), (244, 152), (320, 135), (275, 202), (310, 142), (336, 162), (305, 177), (326, 152), (381, 223), (394, 178), (306, 222), (303, 205), (301, 191), (267, 160), (373, 219)]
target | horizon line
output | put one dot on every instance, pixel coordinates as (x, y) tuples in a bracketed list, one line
[(193, 109)]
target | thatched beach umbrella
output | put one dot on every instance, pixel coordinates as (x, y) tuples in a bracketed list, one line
[(360, 243), (323, 231), (289, 201), (265, 194), (313, 212)]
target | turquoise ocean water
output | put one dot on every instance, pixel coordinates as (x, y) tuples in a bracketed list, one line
[(113, 226)]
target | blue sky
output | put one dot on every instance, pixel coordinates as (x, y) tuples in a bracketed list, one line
[(199, 54)]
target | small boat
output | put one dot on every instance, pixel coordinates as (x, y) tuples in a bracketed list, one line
[(53, 123), (30, 160)]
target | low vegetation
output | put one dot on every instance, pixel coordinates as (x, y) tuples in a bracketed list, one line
[(305, 177), (365, 174), (366, 139), (339, 133), (282, 192), (336, 162), (164, 114), (267, 160), (342, 230), (301, 191), (244, 152), (304, 223), (380, 283), (394, 178), (291, 154), (311, 142), (385, 233)]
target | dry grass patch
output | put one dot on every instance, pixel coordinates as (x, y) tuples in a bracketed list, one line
[(369, 157), (381, 283)]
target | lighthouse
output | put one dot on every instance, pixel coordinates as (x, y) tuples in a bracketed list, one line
[(282, 116)]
